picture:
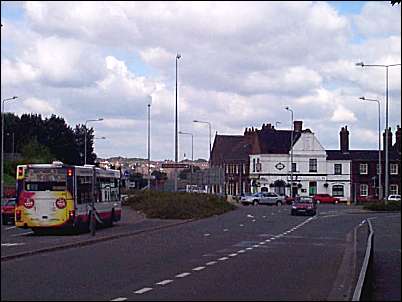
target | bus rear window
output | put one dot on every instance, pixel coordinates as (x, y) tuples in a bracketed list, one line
[(45, 186)]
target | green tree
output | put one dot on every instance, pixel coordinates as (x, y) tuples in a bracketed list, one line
[(79, 133), (34, 152)]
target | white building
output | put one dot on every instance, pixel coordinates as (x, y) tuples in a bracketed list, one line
[(271, 162)]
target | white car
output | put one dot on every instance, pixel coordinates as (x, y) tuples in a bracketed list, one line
[(253, 199), (394, 197), (263, 198)]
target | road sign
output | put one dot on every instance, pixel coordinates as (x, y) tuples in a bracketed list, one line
[(174, 165)]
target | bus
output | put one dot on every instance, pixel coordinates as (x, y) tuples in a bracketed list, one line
[(56, 195)]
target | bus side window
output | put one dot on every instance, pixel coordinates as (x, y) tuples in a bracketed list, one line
[(84, 189)]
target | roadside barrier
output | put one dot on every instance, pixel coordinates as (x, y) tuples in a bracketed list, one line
[(364, 286)]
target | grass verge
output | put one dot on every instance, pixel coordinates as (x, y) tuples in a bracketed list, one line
[(381, 206), (167, 205)]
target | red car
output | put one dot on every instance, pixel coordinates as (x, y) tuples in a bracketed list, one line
[(304, 205), (8, 211), (325, 198)]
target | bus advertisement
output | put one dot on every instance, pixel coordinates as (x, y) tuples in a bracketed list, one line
[(61, 196)]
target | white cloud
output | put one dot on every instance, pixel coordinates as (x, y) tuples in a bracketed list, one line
[(342, 114)]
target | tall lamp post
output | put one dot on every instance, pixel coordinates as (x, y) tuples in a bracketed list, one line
[(379, 145), (85, 137), (2, 142), (192, 153), (149, 146), (210, 147), (291, 153), (386, 121), (176, 152)]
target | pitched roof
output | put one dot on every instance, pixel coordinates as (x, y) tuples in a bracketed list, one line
[(274, 141), (230, 147), (369, 155)]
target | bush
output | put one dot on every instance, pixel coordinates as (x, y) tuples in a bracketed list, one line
[(181, 205), (392, 205)]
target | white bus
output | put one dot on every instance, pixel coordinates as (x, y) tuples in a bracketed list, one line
[(61, 196)]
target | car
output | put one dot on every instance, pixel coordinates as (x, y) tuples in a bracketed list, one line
[(8, 211), (325, 198), (394, 197), (272, 198), (251, 199), (304, 205)]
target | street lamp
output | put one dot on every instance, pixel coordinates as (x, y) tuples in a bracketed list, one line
[(149, 146), (102, 137), (291, 153), (85, 135), (276, 124), (178, 56), (192, 153), (386, 120), (2, 142), (379, 144)]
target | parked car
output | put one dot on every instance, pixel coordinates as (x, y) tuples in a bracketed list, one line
[(394, 197), (304, 205), (8, 211), (263, 198), (325, 198)]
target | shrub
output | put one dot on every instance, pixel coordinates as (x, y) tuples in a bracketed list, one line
[(180, 205)]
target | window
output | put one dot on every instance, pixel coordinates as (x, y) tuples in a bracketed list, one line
[(363, 190), (363, 169), (294, 167), (394, 169), (84, 189), (253, 164), (393, 189), (338, 169), (337, 191), (313, 165)]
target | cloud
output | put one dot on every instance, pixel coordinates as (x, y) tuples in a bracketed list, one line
[(342, 114)]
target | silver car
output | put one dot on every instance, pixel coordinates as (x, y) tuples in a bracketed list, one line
[(263, 198), (253, 199)]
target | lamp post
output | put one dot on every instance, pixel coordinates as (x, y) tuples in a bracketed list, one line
[(85, 137), (210, 148), (386, 121), (379, 145), (149, 146), (291, 153), (176, 158), (2, 142), (192, 153)]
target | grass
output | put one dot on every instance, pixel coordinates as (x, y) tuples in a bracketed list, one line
[(381, 206), (167, 205)]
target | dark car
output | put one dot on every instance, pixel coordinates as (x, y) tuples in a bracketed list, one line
[(8, 211), (304, 206), (325, 198)]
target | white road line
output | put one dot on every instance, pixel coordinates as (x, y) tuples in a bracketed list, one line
[(223, 258), (9, 228), (12, 244), (225, 230), (119, 299), (21, 234), (210, 263), (264, 216), (182, 275), (254, 220), (256, 245), (199, 268), (164, 282), (262, 242), (241, 251), (267, 240), (233, 255), (242, 225), (143, 290), (206, 235), (249, 248), (251, 216)]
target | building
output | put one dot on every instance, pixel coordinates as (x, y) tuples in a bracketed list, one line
[(271, 162)]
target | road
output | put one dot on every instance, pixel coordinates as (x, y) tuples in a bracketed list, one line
[(252, 253)]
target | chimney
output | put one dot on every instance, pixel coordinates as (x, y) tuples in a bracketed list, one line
[(344, 137), (298, 125), (389, 139), (398, 138)]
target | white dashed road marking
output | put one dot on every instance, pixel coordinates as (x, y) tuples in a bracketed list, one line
[(12, 244), (199, 268), (206, 235), (223, 258), (119, 299), (210, 263), (233, 255), (143, 290), (225, 230), (182, 275), (164, 282)]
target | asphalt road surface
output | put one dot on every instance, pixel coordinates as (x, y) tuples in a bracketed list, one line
[(252, 253)]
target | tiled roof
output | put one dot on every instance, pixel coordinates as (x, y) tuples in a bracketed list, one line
[(231, 147), (274, 141), (370, 155)]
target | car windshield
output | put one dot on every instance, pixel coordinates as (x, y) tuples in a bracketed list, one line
[(304, 200)]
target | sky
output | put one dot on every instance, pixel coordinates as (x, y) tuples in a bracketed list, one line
[(241, 64)]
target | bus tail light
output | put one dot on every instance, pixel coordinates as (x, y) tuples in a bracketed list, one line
[(18, 215), (71, 214), (61, 203), (29, 203), (20, 172)]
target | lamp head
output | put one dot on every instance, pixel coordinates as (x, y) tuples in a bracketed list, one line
[(178, 56), (360, 64), (362, 98)]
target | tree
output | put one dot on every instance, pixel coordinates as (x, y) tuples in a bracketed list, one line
[(79, 133), (33, 152), (395, 2)]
